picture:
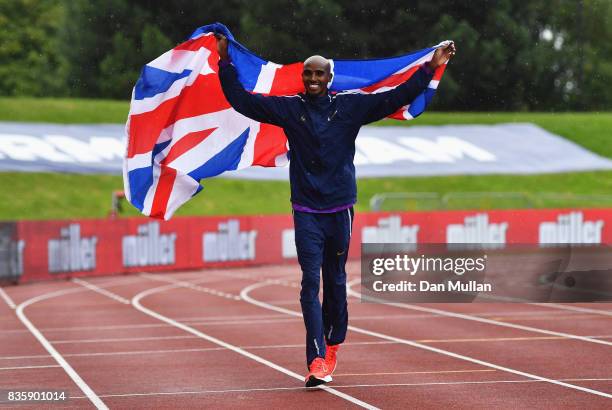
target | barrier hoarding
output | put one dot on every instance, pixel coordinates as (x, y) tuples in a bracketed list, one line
[(42, 250)]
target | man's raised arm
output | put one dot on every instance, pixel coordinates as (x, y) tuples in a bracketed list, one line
[(380, 105), (255, 106)]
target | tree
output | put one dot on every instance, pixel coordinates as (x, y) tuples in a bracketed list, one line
[(31, 64), (108, 41), (512, 55)]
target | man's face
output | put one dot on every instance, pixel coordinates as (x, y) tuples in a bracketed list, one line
[(316, 75)]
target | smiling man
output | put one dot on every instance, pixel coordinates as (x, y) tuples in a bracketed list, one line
[(321, 129), (316, 75)]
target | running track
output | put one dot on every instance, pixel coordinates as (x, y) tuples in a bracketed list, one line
[(234, 338)]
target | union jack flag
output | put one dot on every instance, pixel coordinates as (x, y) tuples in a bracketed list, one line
[(181, 129)]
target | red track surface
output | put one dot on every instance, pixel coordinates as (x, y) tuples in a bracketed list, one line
[(230, 339)]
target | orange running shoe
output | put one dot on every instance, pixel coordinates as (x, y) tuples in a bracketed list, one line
[(331, 353), (318, 374)]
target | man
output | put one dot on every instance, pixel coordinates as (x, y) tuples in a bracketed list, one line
[(321, 129)]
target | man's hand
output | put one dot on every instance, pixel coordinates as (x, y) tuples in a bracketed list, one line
[(442, 55), (222, 47)]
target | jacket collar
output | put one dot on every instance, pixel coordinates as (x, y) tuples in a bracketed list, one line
[(319, 99)]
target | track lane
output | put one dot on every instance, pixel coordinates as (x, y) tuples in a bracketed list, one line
[(76, 378), (136, 303), (197, 314), (246, 297), (541, 379), (106, 368)]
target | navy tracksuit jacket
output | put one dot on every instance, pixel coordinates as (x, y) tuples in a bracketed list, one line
[(321, 132)]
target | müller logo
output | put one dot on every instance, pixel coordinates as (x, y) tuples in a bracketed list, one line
[(71, 253), (571, 228), (228, 243), (149, 247), (390, 230), (477, 229)]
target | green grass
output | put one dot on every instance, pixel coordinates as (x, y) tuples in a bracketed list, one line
[(63, 111), (49, 196)]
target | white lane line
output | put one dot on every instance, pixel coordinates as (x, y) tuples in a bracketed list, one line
[(206, 320), (500, 339), (254, 321), (406, 315), (527, 313), (440, 312), (245, 296), (345, 386), (573, 308), (147, 352), (134, 326), (229, 317), (238, 320), (30, 367), (128, 352), (93, 397), (174, 351), (101, 291), (415, 372), (424, 316), (136, 303), (7, 299), (255, 347), (283, 282), (122, 339), (34, 356), (245, 322), (568, 316), (99, 328), (190, 285), (182, 337)]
